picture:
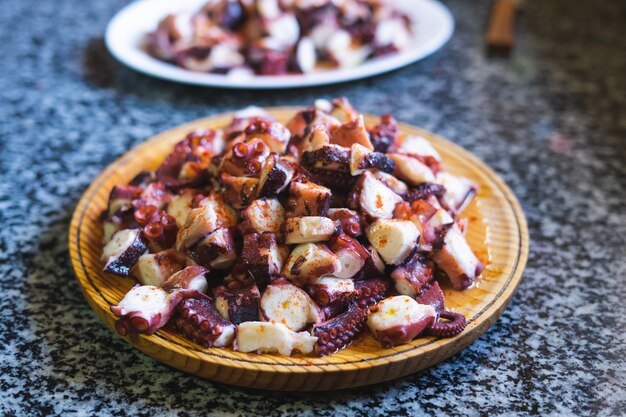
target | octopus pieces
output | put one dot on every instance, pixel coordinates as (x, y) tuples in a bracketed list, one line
[(274, 37), (301, 237)]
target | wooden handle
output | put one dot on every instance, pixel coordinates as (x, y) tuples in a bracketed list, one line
[(500, 37)]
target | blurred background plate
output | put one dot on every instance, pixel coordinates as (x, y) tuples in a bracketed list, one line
[(497, 233), (124, 36)]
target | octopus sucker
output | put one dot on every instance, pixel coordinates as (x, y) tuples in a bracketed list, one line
[(200, 322), (340, 331), (371, 291), (454, 325)]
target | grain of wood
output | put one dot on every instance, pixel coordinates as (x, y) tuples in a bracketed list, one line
[(500, 36)]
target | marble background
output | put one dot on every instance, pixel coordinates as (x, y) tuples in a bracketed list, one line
[(551, 120)]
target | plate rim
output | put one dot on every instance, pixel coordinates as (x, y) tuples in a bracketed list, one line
[(170, 72), (477, 324)]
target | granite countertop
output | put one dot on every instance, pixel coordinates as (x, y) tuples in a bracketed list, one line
[(551, 120)]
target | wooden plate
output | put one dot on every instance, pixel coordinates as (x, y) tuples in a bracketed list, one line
[(497, 233)]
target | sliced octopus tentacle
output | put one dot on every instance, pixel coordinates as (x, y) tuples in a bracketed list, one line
[(330, 157), (145, 308), (187, 150), (245, 158), (238, 304), (423, 191), (333, 179), (138, 322), (161, 233), (371, 291), (433, 296), (201, 323), (455, 325), (349, 220), (339, 332)]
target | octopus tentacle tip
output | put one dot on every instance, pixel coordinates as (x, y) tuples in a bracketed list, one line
[(455, 325)]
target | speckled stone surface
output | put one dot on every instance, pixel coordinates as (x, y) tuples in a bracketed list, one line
[(551, 120)]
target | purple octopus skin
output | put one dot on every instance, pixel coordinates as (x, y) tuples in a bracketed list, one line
[(332, 302), (183, 152), (146, 214), (121, 198), (189, 278), (378, 160), (142, 179), (384, 134), (239, 192), (333, 179), (456, 324), (161, 41), (123, 261), (267, 61), (423, 191), (155, 194), (245, 158), (160, 233), (351, 254), (257, 257), (133, 322), (413, 275), (218, 243), (306, 198), (275, 176), (116, 222), (229, 14), (168, 172), (349, 220), (374, 266), (136, 322), (325, 296), (432, 296), (243, 303), (199, 322), (334, 309), (399, 335), (330, 158), (370, 291), (340, 331)]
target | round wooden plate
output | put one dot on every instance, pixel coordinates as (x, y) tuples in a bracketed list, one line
[(497, 233)]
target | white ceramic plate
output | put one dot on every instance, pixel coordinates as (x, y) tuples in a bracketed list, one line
[(124, 36)]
